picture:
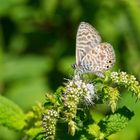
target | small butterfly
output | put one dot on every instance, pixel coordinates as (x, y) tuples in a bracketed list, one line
[(92, 56)]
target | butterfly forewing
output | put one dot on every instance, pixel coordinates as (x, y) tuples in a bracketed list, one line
[(87, 38)]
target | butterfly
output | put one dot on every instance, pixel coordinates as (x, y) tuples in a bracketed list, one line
[(92, 56)]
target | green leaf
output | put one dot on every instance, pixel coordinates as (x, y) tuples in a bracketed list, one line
[(11, 115), (116, 122), (34, 132)]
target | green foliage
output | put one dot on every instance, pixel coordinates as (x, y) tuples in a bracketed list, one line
[(112, 95), (115, 122), (111, 124), (64, 111), (37, 48), (11, 115), (33, 122)]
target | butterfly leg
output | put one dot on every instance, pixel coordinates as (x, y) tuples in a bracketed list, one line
[(77, 72)]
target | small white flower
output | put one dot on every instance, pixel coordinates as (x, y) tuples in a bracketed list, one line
[(70, 83), (114, 74), (85, 89), (88, 99), (133, 77), (78, 83), (83, 85), (90, 87), (90, 94), (77, 77)]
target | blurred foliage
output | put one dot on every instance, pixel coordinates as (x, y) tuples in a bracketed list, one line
[(37, 45), (15, 115)]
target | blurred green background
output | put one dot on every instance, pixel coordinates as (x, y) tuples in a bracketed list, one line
[(37, 48)]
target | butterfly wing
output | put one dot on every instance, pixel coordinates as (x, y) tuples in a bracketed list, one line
[(99, 59), (86, 39), (106, 56)]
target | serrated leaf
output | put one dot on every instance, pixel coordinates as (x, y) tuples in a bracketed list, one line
[(11, 115), (116, 122)]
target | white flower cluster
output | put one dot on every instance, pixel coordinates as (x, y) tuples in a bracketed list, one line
[(123, 77), (49, 121), (128, 81), (77, 88), (90, 96)]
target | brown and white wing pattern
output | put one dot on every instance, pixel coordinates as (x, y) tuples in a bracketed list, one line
[(92, 55), (99, 59), (86, 39)]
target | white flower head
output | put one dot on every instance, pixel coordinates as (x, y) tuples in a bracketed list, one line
[(80, 90), (90, 94)]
